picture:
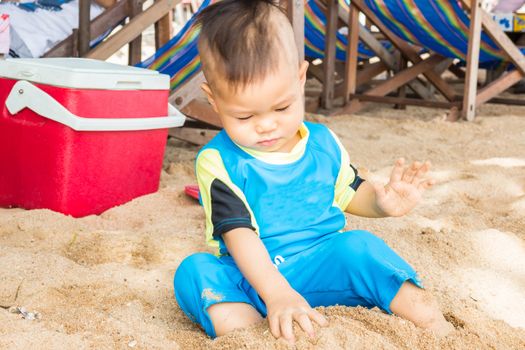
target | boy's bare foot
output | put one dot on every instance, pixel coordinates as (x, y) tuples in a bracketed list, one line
[(443, 329), (417, 305)]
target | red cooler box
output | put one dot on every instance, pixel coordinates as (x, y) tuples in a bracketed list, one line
[(79, 136)]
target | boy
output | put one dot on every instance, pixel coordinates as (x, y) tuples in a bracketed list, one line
[(274, 190)]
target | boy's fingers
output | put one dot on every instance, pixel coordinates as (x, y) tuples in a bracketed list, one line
[(318, 318), (304, 322), (425, 184), (423, 169), (285, 323), (274, 327), (397, 171), (410, 172)]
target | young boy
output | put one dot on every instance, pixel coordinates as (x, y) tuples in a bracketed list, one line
[(275, 189)]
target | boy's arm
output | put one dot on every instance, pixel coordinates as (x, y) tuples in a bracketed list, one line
[(364, 202), (283, 303)]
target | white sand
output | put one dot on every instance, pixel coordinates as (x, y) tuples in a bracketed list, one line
[(105, 282)]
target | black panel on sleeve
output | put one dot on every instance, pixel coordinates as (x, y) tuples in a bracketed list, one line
[(227, 210), (357, 180)]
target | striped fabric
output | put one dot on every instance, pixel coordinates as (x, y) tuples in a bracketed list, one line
[(179, 57), (440, 26), (180, 60)]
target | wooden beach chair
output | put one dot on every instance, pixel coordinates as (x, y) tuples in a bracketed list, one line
[(448, 30)]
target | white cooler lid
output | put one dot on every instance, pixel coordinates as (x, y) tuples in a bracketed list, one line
[(83, 73)]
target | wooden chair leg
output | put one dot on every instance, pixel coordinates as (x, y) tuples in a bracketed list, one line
[(350, 79), (135, 46), (468, 111), (84, 26), (401, 92), (295, 11), (329, 57)]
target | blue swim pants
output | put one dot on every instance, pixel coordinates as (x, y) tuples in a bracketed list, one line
[(350, 268)]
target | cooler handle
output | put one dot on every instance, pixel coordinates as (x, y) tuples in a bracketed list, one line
[(26, 95)]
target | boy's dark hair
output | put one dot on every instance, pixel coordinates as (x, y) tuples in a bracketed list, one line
[(239, 37)]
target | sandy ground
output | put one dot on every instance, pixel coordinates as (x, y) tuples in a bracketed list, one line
[(105, 282)]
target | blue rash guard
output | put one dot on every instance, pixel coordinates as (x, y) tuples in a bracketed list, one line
[(291, 200)]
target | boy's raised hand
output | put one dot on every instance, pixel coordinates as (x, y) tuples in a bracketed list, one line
[(405, 188), (288, 307)]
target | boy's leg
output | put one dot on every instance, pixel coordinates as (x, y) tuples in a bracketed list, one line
[(212, 292), (229, 316), (357, 268), (419, 306)]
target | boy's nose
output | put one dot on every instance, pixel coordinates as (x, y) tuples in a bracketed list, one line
[(266, 125)]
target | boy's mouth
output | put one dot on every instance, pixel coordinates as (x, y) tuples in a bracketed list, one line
[(268, 143)]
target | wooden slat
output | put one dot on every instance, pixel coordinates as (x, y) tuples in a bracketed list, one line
[(393, 83), (406, 101), (198, 137), (163, 29), (471, 80), (497, 86), (136, 26), (507, 101), (188, 99), (401, 92), (135, 46), (201, 110), (405, 76), (188, 91), (350, 79), (295, 9), (329, 55), (370, 71), (84, 9)]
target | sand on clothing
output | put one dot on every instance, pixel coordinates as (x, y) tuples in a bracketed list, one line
[(105, 282)]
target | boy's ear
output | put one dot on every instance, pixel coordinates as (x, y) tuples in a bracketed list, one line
[(302, 72), (209, 94)]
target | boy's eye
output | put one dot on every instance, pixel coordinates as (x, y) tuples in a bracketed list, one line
[(282, 109), (245, 118)]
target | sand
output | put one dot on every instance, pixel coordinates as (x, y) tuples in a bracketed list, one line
[(105, 282)]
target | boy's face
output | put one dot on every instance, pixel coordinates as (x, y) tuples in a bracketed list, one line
[(264, 115)]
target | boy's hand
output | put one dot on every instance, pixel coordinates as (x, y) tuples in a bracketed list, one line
[(405, 188), (285, 308)]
